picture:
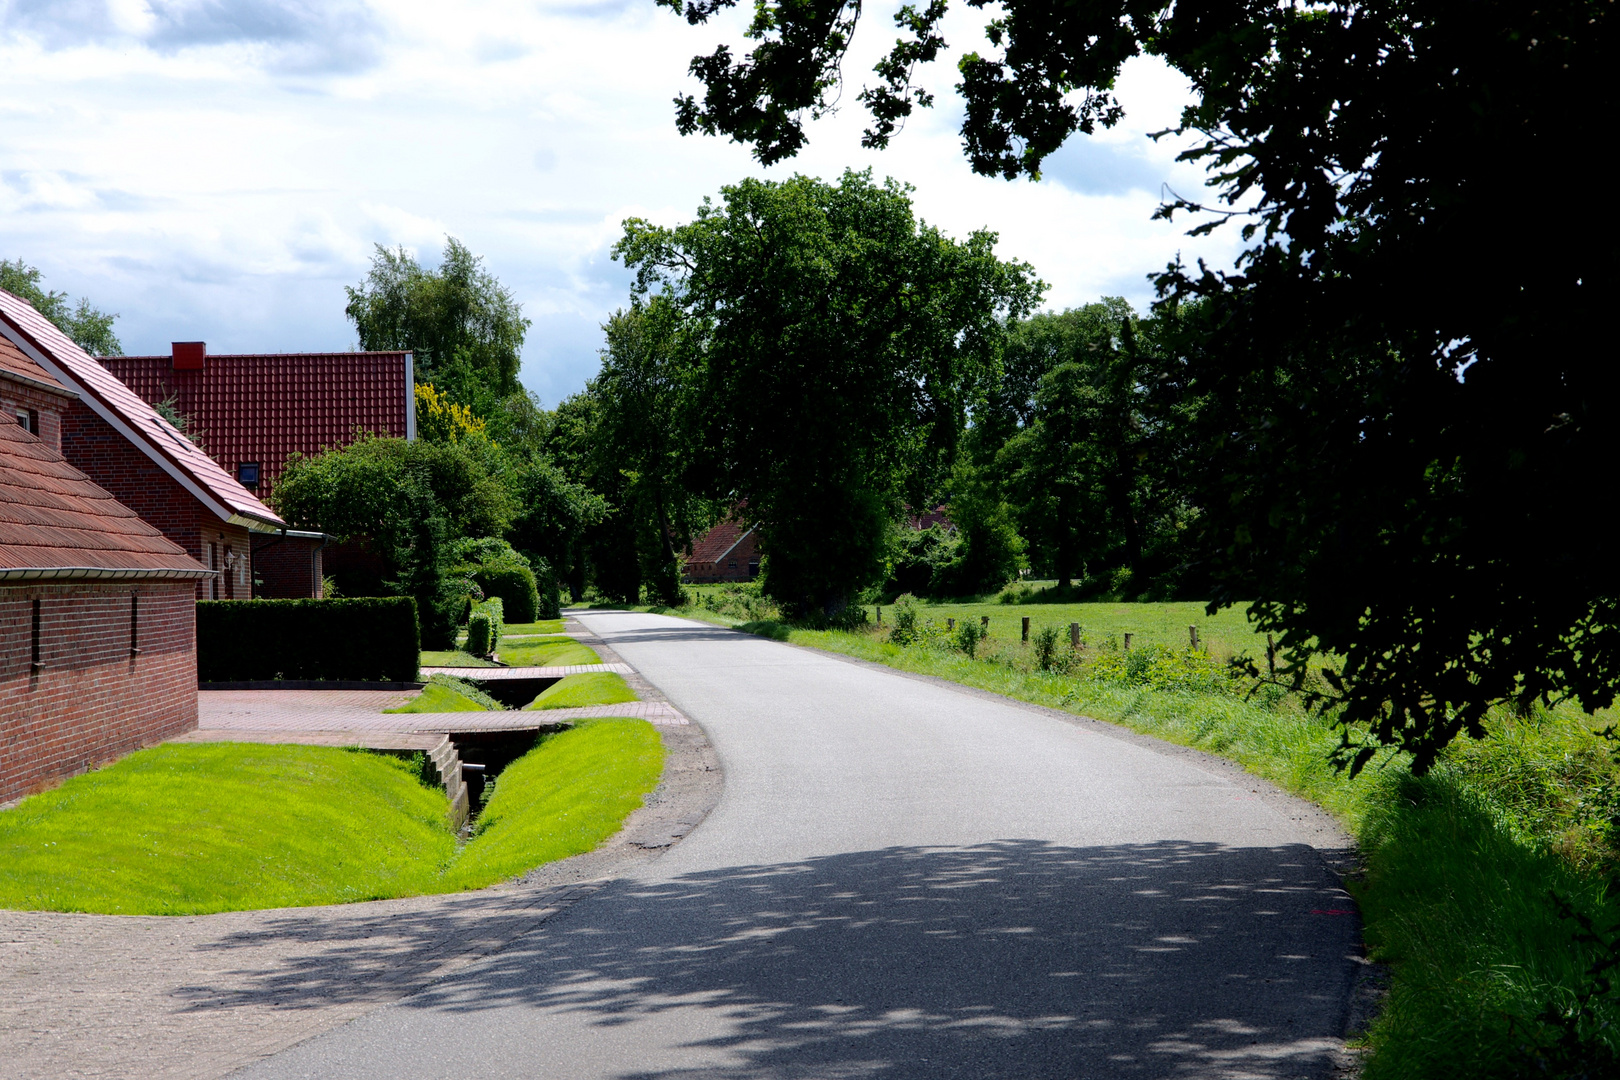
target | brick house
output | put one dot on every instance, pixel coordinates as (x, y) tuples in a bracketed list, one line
[(121, 443), (727, 552), (252, 411), (98, 649)]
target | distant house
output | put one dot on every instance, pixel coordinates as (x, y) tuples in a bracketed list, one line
[(98, 651), (252, 411), (727, 552), (121, 443)]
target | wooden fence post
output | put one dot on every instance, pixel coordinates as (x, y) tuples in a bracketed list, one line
[(984, 624), (1127, 642), (1192, 633), (880, 614), (1025, 638), (1074, 635), (950, 624)]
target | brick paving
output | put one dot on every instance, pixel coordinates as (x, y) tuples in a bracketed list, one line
[(198, 997)]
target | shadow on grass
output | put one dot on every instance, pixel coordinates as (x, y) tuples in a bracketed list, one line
[(1015, 958)]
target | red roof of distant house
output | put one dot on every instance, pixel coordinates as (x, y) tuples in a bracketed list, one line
[(261, 407), (136, 420), (56, 524), (713, 545)]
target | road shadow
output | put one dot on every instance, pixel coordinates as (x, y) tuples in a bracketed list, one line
[(1011, 959)]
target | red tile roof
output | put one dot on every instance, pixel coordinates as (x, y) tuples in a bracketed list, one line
[(713, 545), (250, 407), (70, 365), (55, 523), (19, 366)]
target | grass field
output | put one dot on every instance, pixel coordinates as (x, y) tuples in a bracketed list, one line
[(192, 828), (1460, 865), (558, 652), (573, 691)]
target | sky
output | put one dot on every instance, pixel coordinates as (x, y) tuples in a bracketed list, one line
[(219, 170)]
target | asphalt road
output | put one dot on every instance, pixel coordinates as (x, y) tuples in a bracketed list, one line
[(904, 880)]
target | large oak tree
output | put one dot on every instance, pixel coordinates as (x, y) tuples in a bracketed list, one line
[(1406, 383)]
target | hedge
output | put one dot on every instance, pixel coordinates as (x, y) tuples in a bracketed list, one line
[(512, 582), (366, 639), (484, 627)]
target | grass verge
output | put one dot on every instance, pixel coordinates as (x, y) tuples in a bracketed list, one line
[(563, 798), (187, 829), (575, 691), (558, 652), (446, 693), (193, 828), (1460, 865), (452, 658)]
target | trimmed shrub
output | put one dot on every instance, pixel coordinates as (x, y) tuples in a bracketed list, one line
[(485, 626), (513, 584), (365, 639), (548, 590), (498, 570)]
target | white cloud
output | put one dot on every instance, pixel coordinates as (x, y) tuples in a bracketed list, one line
[(222, 168)]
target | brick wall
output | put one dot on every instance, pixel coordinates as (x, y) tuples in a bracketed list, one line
[(93, 446), (286, 568), (93, 700), (48, 408)]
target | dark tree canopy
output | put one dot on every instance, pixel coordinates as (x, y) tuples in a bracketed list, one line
[(89, 326), (835, 342), (1403, 389)]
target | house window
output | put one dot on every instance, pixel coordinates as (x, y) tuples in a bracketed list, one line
[(134, 625), (28, 419), (247, 474)]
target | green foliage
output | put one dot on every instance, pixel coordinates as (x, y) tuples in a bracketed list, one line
[(1045, 641), (411, 501), (187, 829), (89, 327), (1394, 364), (968, 636), (741, 601), (857, 332), (464, 327), (905, 628), (564, 797), (573, 691), (499, 571), (367, 639), (484, 627)]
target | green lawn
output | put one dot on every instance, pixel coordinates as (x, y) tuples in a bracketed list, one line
[(191, 828), (454, 658), (561, 799), (573, 691), (544, 626), (559, 652), (184, 829)]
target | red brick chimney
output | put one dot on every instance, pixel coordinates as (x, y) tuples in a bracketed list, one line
[(189, 355)]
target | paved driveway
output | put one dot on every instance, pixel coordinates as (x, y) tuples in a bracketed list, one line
[(907, 880)]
